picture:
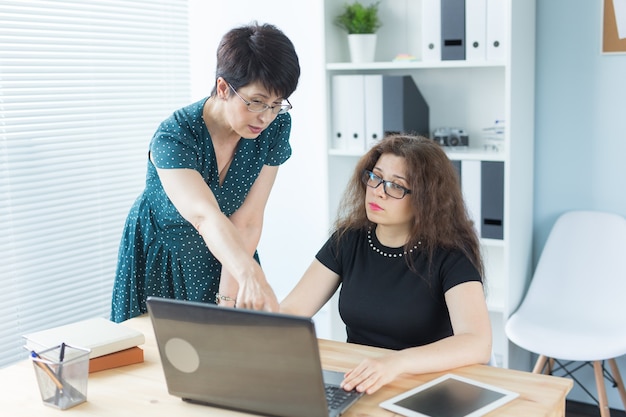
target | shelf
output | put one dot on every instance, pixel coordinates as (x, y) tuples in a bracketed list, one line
[(493, 242), (409, 65), (468, 95), (345, 152), (453, 153), (474, 154)]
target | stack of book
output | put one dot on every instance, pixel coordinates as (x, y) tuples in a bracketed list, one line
[(111, 344), (493, 136)]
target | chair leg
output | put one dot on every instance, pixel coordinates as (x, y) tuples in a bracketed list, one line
[(618, 380), (602, 398), (540, 364)]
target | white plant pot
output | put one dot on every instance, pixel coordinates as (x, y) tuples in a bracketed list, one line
[(362, 47)]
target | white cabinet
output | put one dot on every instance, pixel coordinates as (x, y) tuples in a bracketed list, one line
[(470, 94)]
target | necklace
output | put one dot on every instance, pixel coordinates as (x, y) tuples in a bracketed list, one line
[(225, 167), (389, 255)]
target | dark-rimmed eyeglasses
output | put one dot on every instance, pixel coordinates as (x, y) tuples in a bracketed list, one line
[(259, 107), (393, 190)]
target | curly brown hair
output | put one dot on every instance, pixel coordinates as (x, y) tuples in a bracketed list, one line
[(440, 217)]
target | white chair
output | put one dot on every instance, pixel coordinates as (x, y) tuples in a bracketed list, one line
[(574, 313)]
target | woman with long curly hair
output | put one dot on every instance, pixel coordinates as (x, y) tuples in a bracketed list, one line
[(407, 258)]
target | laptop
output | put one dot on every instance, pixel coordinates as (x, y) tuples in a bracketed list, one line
[(252, 361)]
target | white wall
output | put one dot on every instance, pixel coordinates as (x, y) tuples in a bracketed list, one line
[(296, 220), (580, 127)]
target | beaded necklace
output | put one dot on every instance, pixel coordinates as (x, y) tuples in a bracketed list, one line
[(389, 255)]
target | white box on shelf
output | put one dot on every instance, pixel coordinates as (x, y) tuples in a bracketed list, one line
[(476, 30), (431, 30), (348, 119)]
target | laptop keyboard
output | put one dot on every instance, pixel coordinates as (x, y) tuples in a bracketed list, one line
[(337, 397)]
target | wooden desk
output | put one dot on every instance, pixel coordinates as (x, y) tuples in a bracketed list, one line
[(140, 389)]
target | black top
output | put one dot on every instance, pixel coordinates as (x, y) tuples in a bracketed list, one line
[(385, 304)]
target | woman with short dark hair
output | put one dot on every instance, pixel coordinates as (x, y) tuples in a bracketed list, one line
[(192, 233)]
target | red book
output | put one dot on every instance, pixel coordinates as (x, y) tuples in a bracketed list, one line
[(114, 360)]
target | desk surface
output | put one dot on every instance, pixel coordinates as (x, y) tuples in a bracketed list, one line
[(140, 389)]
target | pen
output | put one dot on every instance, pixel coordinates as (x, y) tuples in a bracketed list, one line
[(47, 370), (58, 392), (62, 353)]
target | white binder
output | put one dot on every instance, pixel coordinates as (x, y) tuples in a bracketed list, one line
[(373, 109), (348, 112), (496, 30), (475, 30), (431, 30)]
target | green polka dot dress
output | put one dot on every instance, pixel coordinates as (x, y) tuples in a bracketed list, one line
[(161, 253)]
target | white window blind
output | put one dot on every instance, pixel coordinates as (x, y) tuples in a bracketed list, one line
[(83, 86)]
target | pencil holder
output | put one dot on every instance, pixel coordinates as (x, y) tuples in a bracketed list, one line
[(62, 373)]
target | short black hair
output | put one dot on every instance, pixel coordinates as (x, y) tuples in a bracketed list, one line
[(258, 53)]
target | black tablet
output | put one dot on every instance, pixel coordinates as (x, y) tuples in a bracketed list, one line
[(449, 396)]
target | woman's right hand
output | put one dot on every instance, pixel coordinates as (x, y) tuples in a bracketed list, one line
[(255, 293), (232, 240)]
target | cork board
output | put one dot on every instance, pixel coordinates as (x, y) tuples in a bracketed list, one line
[(614, 26)]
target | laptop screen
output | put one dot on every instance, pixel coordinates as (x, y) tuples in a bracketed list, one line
[(247, 360)]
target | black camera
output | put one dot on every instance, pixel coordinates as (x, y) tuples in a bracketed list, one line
[(453, 137)]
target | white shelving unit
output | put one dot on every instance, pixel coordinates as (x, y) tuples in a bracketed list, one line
[(469, 95)]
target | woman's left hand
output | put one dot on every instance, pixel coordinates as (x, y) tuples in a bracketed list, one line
[(370, 375)]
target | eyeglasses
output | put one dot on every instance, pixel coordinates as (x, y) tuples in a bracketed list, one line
[(260, 107), (393, 190)]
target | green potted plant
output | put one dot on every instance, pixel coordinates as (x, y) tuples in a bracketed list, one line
[(361, 23), (359, 19)]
